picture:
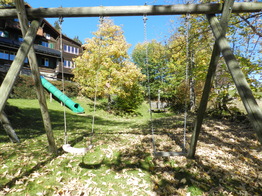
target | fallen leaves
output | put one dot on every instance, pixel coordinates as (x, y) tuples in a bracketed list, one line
[(228, 161)]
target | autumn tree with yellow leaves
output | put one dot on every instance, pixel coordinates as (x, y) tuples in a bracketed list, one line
[(6, 3), (107, 53), (243, 34)]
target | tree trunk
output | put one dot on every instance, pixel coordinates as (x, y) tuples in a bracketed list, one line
[(109, 103), (8, 128)]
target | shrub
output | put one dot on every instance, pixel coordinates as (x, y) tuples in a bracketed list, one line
[(24, 88), (131, 101)]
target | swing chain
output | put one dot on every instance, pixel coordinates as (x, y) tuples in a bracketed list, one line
[(101, 20), (62, 67), (148, 83), (187, 62)]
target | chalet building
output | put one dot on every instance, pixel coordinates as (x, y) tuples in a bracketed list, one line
[(47, 49)]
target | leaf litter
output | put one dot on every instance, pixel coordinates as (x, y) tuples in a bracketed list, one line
[(228, 162)]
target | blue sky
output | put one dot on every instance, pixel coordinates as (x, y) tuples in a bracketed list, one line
[(133, 26)]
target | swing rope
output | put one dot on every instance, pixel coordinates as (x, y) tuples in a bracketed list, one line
[(148, 83), (66, 146), (61, 49), (185, 121), (183, 152), (101, 20)]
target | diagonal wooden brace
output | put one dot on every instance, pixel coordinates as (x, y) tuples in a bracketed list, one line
[(252, 108), (227, 9), (18, 62), (21, 13)]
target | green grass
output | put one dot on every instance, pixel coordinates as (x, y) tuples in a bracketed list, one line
[(120, 163), (42, 168)]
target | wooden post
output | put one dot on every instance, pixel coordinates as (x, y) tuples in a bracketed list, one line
[(209, 80), (178, 9), (252, 108), (18, 62), (21, 13)]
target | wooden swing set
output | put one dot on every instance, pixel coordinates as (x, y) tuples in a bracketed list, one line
[(218, 29)]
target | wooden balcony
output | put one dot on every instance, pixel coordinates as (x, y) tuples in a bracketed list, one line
[(66, 70)]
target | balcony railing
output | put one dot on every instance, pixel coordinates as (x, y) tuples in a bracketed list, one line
[(43, 49), (66, 69), (38, 48)]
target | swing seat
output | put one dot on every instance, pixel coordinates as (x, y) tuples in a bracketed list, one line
[(167, 154), (72, 150)]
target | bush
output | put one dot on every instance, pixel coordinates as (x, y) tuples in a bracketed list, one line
[(24, 88), (130, 103)]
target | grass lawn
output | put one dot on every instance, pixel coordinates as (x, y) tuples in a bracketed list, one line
[(228, 157)]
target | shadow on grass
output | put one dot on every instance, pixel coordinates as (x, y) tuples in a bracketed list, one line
[(169, 178), (29, 124)]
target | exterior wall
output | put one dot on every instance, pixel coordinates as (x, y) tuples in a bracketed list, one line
[(47, 49), (71, 50)]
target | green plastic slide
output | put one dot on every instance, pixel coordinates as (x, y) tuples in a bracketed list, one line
[(75, 107)]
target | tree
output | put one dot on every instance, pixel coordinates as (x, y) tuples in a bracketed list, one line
[(157, 60), (243, 34), (57, 26), (76, 38), (6, 3), (107, 53)]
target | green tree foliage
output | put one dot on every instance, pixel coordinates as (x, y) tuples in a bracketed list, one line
[(157, 61), (76, 38), (57, 26), (244, 36), (109, 55)]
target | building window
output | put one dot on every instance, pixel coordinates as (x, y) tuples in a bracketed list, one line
[(51, 45), (45, 44), (20, 38), (71, 49), (45, 62), (4, 54), (76, 51), (69, 64), (12, 56)]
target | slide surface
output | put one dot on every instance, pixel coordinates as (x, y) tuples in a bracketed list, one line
[(75, 107)]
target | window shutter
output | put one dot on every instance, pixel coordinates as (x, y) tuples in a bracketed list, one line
[(6, 34)]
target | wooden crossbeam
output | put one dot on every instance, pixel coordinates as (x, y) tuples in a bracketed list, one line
[(21, 13), (209, 80), (251, 106), (18, 62), (177, 9)]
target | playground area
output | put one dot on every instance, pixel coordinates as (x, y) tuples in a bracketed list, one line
[(138, 152), (228, 161)]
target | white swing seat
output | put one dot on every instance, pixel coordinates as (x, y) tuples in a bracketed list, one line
[(167, 154), (72, 150)]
